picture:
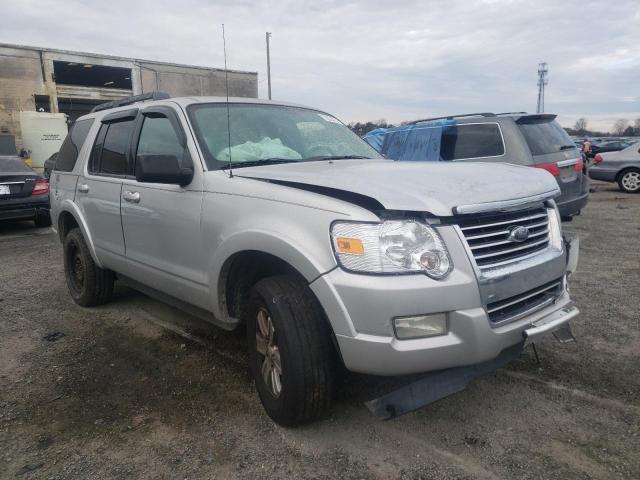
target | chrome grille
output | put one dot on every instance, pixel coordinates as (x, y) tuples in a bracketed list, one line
[(488, 236), (515, 307)]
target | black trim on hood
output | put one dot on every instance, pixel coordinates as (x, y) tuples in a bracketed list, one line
[(364, 201)]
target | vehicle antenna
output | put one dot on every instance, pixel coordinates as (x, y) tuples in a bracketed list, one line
[(226, 82)]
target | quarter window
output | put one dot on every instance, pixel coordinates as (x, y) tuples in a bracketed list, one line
[(68, 155)]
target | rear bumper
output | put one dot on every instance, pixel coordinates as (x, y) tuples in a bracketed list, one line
[(572, 206), (24, 208)]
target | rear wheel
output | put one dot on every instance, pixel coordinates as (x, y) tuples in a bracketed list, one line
[(88, 284), (629, 181), (291, 353)]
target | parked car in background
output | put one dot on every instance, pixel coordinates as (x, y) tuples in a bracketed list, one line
[(49, 165), (532, 140), (622, 167), (327, 252), (609, 146), (24, 195)]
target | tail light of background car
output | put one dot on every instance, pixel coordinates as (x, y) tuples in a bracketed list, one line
[(552, 168), (40, 188), (578, 166), (597, 159)]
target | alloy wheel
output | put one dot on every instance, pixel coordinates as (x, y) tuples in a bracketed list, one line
[(267, 347), (631, 181)]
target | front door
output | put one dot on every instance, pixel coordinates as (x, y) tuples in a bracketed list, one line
[(161, 222)]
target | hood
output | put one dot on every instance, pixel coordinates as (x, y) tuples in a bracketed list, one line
[(435, 187)]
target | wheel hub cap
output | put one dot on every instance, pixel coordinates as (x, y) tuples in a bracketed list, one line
[(267, 347), (631, 181)]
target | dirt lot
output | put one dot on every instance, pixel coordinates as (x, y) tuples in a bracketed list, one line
[(110, 393)]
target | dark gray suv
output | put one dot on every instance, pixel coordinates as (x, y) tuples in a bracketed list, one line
[(534, 140)]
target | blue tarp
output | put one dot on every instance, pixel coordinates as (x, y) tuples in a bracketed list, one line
[(410, 142)]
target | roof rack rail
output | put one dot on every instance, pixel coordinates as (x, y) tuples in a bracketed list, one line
[(451, 117), (512, 113), (155, 95)]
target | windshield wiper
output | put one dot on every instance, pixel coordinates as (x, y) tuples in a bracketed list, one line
[(334, 157), (567, 147), (254, 163)]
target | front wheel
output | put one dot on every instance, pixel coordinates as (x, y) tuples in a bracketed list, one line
[(291, 353), (629, 181)]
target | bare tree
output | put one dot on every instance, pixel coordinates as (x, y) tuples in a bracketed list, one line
[(581, 126), (620, 126), (636, 126)]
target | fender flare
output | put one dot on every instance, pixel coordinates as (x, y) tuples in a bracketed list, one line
[(67, 206), (300, 259)]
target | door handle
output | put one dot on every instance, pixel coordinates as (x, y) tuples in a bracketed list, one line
[(129, 196), (82, 188)]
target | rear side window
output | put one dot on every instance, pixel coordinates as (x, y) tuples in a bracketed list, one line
[(68, 154), (466, 141), (111, 151), (545, 137)]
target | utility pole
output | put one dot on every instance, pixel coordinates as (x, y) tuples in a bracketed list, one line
[(268, 35), (542, 81)]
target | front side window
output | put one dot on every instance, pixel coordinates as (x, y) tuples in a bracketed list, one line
[(68, 155), (271, 133), (158, 137), (115, 148)]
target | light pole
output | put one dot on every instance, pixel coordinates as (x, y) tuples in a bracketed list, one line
[(268, 35)]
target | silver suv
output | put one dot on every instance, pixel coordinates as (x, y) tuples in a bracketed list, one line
[(289, 223)]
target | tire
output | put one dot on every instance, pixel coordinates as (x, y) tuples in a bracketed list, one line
[(303, 345), (629, 180), (42, 220), (88, 284)]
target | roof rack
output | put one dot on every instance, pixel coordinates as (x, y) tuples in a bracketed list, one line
[(155, 95), (451, 117), (512, 113)]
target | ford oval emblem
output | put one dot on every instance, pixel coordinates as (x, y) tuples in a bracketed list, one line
[(519, 234)]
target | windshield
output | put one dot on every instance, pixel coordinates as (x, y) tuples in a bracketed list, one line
[(546, 136), (272, 134)]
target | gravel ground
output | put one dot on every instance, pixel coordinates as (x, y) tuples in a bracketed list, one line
[(114, 392)]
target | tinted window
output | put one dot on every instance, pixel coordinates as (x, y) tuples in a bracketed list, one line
[(158, 137), (115, 148), (545, 136), (471, 141), (68, 154)]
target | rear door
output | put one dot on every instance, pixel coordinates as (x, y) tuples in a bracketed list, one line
[(98, 190), (553, 150)]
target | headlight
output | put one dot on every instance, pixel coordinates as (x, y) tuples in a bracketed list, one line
[(394, 246)]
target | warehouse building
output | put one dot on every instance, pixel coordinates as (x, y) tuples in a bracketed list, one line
[(56, 82)]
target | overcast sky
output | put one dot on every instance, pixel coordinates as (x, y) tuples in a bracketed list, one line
[(366, 60)]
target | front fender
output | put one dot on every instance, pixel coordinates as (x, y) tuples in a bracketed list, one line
[(286, 249), (68, 206)]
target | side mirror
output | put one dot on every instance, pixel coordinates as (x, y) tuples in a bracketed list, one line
[(162, 169)]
